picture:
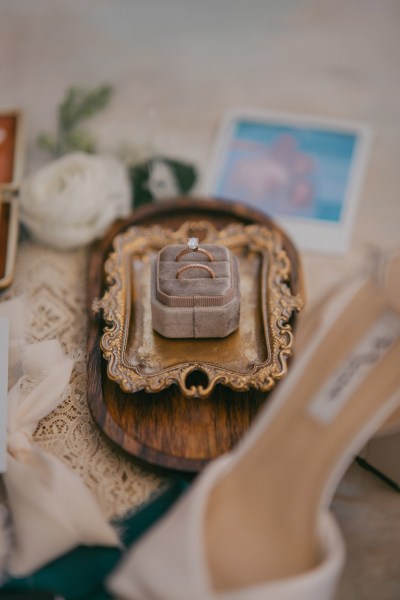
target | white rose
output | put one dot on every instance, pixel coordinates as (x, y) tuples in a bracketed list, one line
[(73, 200)]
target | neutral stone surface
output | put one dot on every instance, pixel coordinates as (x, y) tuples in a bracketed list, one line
[(177, 67)]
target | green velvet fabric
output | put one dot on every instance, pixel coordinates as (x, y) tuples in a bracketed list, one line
[(80, 574)]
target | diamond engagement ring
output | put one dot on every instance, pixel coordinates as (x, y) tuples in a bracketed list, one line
[(193, 246), (196, 266)]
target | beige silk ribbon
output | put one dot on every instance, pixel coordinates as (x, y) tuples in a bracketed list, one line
[(52, 510)]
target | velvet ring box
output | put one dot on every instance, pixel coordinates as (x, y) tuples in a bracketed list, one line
[(193, 303), (11, 164)]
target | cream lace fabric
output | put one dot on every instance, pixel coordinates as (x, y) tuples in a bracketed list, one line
[(54, 287)]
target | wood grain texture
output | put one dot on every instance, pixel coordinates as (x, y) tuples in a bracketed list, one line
[(8, 132), (4, 231), (166, 429)]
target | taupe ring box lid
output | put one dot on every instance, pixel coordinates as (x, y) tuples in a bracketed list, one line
[(195, 305)]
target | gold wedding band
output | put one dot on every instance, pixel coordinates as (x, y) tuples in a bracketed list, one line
[(193, 246), (196, 266)]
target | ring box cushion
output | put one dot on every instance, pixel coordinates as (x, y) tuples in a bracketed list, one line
[(195, 305)]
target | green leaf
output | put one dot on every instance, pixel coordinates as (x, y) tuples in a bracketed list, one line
[(78, 104), (80, 139), (48, 143)]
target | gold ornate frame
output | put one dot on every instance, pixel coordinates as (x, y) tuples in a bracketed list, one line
[(126, 314)]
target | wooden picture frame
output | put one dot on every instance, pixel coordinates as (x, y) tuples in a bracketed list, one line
[(11, 168)]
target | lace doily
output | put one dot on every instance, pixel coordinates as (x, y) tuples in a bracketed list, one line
[(54, 286)]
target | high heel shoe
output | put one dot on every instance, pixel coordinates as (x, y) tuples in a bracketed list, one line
[(256, 524)]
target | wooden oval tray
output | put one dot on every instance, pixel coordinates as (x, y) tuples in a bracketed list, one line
[(174, 428)]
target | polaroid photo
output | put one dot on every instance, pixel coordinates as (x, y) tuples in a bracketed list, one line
[(306, 173)]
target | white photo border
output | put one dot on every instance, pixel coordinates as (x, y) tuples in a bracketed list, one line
[(308, 233)]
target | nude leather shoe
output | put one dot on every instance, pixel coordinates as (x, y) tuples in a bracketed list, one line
[(256, 523)]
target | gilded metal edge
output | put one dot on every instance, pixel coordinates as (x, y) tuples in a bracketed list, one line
[(12, 242), (279, 301)]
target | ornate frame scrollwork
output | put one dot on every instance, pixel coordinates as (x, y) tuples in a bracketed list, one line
[(277, 306)]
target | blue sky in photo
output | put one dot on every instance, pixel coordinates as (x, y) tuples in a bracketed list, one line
[(332, 152)]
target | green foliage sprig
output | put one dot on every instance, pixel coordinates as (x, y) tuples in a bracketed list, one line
[(78, 105)]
